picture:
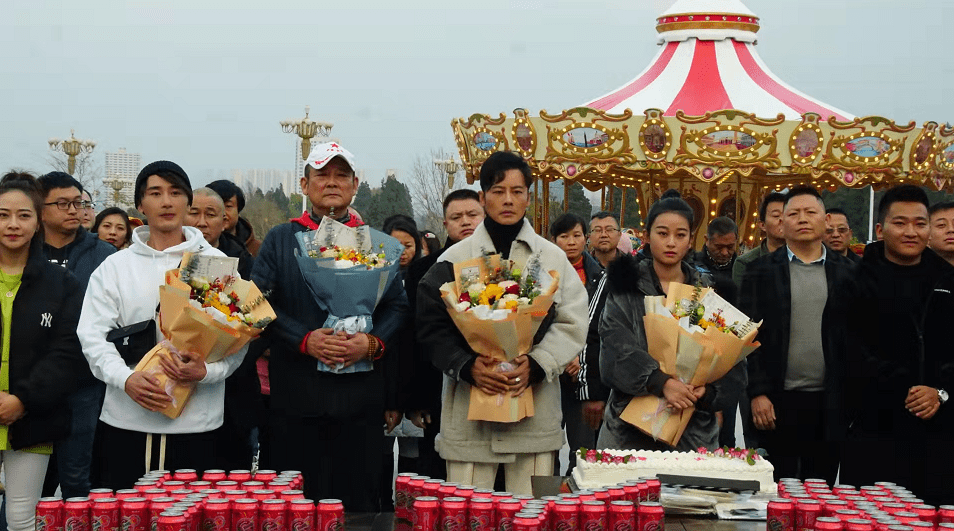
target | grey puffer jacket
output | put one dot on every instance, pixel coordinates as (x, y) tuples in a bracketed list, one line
[(628, 369)]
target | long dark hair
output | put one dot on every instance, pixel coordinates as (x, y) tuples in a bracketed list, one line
[(21, 181), (109, 212), (405, 224)]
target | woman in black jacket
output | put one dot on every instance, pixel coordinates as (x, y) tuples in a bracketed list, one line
[(40, 306)]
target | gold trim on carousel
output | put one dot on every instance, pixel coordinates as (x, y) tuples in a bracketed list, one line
[(714, 24), (651, 120), (797, 159)]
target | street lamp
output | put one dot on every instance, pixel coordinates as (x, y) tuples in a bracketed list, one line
[(117, 185), (72, 148), (450, 167), (306, 129)]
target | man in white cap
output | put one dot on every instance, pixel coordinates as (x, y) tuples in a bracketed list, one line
[(327, 425)]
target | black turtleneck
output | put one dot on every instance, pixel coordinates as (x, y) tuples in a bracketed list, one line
[(502, 235)]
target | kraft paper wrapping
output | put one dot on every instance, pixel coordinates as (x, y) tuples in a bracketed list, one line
[(190, 329), (697, 358), (502, 340)]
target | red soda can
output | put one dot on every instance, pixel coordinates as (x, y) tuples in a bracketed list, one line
[(289, 495), (631, 491), (415, 489), (593, 516), (828, 523), (170, 520), (526, 522), (643, 487), (199, 485), (622, 516), (893, 507), (831, 506), (173, 484), (616, 493), (156, 506), (806, 512), (76, 514), (464, 491), (153, 493), (401, 499), (180, 493), (432, 488), (847, 514), (921, 525), (134, 514), (506, 510), (926, 513), (566, 515), (301, 515), (265, 475), (945, 525), (212, 493), (859, 524), (100, 493), (185, 474), (650, 517), (497, 496), (453, 514), (240, 475), (905, 517), (251, 485), (235, 494), (227, 485), (104, 514), (49, 514), (602, 495), (279, 485), (245, 515), (214, 475), (142, 486), (126, 493), (330, 515), (480, 514), (426, 513), (273, 515), (216, 515), (945, 514), (654, 487), (523, 499), (780, 515), (447, 490), (263, 494), (483, 493)]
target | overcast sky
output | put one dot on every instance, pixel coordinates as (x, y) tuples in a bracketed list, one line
[(205, 83)]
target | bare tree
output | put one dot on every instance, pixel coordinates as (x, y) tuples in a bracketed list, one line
[(429, 185), (88, 172)]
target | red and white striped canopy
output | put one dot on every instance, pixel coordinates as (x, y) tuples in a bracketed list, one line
[(708, 63)]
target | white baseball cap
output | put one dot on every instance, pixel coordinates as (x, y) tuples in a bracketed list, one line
[(322, 154)]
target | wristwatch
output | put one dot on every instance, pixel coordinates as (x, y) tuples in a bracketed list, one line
[(942, 395)]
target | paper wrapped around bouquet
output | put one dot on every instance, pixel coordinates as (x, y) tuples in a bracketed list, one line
[(696, 358), (502, 340), (190, 329)]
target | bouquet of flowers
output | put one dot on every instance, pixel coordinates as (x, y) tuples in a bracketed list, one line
[(697, 337), (498, 306), (348, 270), (207, 311)]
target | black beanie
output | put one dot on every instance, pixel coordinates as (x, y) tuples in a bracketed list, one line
[(170, 171)]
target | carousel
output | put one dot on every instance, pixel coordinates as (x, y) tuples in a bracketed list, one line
[(707, 117)]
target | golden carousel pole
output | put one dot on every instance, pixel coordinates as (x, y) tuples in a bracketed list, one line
[(738, 198), (536, 205), (603, 198), (622, 204), (546, 206)]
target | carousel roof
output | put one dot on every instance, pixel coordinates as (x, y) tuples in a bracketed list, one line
[(708, 63)]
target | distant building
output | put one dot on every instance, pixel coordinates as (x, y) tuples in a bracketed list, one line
[(121, 168), (265, 180)]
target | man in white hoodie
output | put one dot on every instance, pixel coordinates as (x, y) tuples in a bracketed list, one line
[(132, 436)]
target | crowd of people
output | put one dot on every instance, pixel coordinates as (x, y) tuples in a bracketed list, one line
[(851, 373)]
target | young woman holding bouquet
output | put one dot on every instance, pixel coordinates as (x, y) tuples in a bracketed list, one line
[(625, 362), (40, 305)]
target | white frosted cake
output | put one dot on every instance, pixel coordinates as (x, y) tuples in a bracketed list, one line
[(602, 468)]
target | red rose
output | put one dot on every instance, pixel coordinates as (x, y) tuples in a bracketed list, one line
[(513, 289), (464, 297)]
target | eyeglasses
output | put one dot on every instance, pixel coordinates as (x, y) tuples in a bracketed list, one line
[(65, 205), (840, 230), (601, 230)]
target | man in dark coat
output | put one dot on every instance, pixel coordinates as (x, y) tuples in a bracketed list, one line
[(795, 375), (235, 225), (327, 425), (900, 367), (462, 214), (68, 244)]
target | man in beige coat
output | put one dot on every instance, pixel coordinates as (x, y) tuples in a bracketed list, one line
[(474, 449)]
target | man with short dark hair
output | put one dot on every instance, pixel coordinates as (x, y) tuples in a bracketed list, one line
[(70, 245), (770, 223), (794, 378), (604, 237), (838, 233), (942, 230), (234, 199), (900, 368), (133, 434), (317, 418), (462, 214), (474, 449), (718, 255)]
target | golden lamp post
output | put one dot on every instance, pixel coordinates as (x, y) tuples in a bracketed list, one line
[(72, 148), (450, 167), (306, 129), (117, 185)]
